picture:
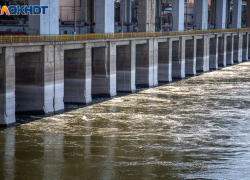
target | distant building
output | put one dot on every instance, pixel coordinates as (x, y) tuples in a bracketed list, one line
[(86, 16)]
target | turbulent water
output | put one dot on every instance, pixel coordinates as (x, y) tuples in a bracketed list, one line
[(197, 128)]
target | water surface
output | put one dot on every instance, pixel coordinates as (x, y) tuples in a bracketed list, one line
[(197, 128)]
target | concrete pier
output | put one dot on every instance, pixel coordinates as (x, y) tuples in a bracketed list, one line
[(59, 78), (202, 54), (7, 86), (46, 23), (146, 16), (213, 53), (237, 11), (155, 62), (104, 17), (245, 47), (221, 14), (237, 48), (190, 56), (248, 14), (178, 15), (31, 81), (230, 50), (201, 14), (126, 13), (222, 51), (249, 46), (178, 58), (38, 78)]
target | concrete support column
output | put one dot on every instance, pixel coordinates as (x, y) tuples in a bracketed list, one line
[(202, 55), (165, 61), (112, 68), (129, 16), (48, 54), (190, 56), (126, 10), (212, 14), (129, 11), (178, 61), (230, 50), (104, 71), (201, 14), (59, 78), (45, 23), (248, 13), (245, 47), (88, 73), (213, 53), (146, 17), (237, 8), (222, 51), (238, 48), (7, 86), (78, 72), (123, 10), (178, 15), (125, 67), (158, 15), (155, 62), (145, 64), (84, 10), (221, 12), (104, 15), (228, 4), (126, 7)]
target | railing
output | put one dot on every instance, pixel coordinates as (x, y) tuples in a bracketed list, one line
[(81, 37)]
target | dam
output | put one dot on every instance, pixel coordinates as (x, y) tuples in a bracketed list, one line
[(39, 74)]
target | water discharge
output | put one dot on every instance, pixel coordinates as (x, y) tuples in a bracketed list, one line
[(197, 128)]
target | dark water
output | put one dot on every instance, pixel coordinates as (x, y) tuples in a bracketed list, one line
[(196, 128)]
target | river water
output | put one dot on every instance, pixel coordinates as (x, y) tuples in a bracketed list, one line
[(197, 128)]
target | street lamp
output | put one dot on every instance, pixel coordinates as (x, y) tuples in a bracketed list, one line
[(161, 19), (187, 5), (74, 17), (122, 13)]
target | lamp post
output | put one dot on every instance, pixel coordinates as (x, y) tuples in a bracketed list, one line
[(74, 17), (122, 13), (161, 19), (187, 5)]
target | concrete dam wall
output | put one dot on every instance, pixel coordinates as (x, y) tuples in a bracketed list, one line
[(38, 78)]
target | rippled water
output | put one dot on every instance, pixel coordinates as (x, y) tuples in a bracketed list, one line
[(197, 128)]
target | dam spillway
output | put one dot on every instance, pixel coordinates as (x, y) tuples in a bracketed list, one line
[(39, 77)]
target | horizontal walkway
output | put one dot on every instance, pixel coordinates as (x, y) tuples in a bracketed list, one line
[(81, 37)]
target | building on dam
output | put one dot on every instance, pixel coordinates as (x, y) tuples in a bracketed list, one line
[(108, 16)]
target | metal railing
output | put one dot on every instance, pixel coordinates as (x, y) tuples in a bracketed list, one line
[(82, 37)]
